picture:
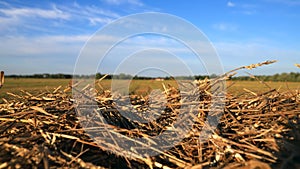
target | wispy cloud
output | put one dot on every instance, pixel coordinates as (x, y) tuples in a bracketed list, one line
[(225, 27), (13, 19), (230, 4), (53, 13), (51, 35), (95, 21), (94, 15), (243, 8), (52, 17), (120, 2)]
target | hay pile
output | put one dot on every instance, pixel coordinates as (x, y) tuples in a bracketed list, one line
[(44, 131)]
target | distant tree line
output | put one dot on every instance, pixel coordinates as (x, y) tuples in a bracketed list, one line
[(127, 76), (44, 75), (291, 77)]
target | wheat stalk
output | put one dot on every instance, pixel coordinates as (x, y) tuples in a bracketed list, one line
[(1, 78)]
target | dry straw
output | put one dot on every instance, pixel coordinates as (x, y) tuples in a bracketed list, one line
[(256, 130)]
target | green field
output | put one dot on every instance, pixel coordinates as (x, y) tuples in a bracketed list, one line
[(35, 86)]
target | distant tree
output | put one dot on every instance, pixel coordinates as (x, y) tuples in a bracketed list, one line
[(213, 76), (98, 75)]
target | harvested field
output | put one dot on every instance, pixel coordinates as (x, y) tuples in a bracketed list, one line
[(255, 130), (36, 86)]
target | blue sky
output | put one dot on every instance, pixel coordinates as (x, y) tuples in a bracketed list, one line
[(47, 36)]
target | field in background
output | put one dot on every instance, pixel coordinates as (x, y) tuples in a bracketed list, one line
[(237, 87), (137, 86), (32, 85)]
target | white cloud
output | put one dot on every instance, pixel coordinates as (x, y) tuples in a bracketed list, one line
[(65, 39), (35, 12), (92, 10), (54, 19), (43, 46), (135, 2), (225, 27), (230, 4), (120, 2), (58, 53), (95, 21), (93, 14), (243, 8), (28, 55), (39, 46)]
